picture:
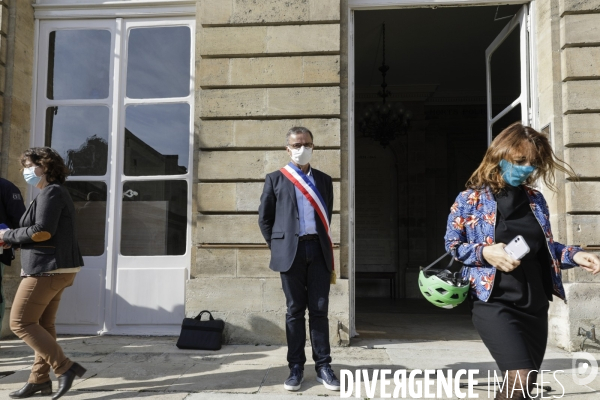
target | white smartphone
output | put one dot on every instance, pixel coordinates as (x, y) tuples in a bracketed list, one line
[(517, 248)]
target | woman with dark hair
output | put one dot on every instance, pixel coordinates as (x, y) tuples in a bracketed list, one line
[(50, 259), (509, 297)]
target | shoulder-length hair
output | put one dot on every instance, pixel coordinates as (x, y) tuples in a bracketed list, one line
[(49, 159), (524, 141)]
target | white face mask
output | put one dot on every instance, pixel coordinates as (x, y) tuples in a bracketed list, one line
[(302, 155)]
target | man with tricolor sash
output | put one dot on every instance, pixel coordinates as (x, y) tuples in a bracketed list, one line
[(294, 218)]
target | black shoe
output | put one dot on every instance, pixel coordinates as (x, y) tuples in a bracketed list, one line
[(327, 377), (65, 381), (294, 381), (32, 388)]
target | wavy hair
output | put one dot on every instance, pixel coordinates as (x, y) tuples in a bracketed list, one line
[(519, 140), (49, 159)]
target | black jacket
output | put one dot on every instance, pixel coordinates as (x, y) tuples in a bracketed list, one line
[(11, 211), (48, 236), (279, 222)]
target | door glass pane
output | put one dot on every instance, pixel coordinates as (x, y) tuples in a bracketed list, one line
[(80, 135), (157, 139), (78, 64), (90, 204), (154, 218), (158, 62), (505, 67), (511, 117)]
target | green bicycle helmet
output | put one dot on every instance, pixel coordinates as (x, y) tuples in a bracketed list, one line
[(441, 287)]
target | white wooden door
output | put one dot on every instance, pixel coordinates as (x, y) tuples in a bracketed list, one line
[(512, 39), (115, 98)]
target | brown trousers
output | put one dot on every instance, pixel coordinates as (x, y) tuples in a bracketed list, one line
[(32, 319)]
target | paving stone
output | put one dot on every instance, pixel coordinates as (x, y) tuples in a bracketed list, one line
[(221, 378), (273, 383), (15, 381), (15, 348), (220, 356), (134, 376), (257, 355), (256, 372), (242, 396), (89, 352), (359, 356), (115, 395), (124, 357), (564, 383), (14, 363)]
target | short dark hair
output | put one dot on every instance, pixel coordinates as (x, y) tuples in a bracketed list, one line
[(296, 130), (49, 159)]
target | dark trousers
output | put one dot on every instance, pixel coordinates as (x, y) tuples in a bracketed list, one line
[(306, 284)]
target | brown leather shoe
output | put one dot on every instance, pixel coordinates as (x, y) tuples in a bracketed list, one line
[(32, 388), (65, 381)]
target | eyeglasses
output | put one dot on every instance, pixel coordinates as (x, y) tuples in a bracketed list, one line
[(297, 146)]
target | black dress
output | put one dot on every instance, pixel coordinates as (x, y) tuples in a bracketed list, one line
[(513, 323)]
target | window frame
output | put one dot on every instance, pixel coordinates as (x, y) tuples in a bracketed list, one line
[(87, 17)]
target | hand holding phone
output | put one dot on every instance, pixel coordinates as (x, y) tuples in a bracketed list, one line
[(517, 248)]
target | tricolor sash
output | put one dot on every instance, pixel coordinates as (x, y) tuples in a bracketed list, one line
[(310, 191)]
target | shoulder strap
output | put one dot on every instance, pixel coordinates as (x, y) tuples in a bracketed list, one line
[(438, 260)]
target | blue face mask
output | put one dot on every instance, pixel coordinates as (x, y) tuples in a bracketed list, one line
[(513, 174), (30, 176)]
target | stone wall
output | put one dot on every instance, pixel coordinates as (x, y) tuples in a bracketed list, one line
[(261, 68), (16, 78), (568, 61)]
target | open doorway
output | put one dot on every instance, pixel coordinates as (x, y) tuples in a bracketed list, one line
[(404, 189)]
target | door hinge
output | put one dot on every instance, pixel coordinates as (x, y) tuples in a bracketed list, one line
[(530, 116), (528, 27)]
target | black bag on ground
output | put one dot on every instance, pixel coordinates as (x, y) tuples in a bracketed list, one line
[(201, 335)]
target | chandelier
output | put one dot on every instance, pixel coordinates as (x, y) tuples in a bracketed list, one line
[(383, 122)]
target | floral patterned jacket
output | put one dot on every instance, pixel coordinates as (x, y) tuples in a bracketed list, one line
[(471, 226)]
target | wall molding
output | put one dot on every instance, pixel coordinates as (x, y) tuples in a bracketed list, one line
[(86, 9)]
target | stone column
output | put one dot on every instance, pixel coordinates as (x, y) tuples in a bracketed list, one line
[(569, 80), (261, 68), (16, 78)]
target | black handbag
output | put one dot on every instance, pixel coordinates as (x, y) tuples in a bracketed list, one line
[(201, 335)]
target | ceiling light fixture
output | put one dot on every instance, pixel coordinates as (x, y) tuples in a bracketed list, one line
[(383, 122)]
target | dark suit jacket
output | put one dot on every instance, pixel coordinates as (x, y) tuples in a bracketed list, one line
[(47, 236), (11, 211), (279, 222)]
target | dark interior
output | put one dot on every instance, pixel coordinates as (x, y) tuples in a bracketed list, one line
[(437, 71)]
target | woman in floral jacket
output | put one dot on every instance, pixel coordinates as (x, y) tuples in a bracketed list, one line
[(510, 297)]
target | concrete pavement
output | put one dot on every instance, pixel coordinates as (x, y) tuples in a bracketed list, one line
[(132, 367)]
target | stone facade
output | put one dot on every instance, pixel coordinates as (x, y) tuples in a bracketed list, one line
[(264, 66), (16, 80), (568, 70)]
